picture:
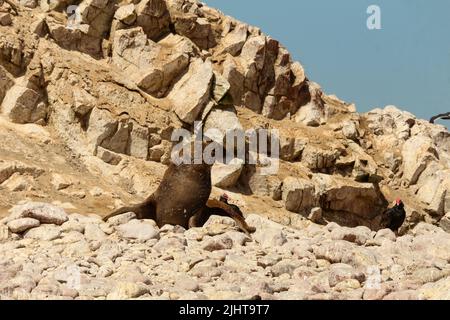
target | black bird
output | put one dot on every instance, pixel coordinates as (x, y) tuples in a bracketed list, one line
[(396, 215)]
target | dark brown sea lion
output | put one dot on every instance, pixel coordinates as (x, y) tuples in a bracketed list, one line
[(182, 198)]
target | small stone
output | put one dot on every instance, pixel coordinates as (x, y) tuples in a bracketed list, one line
[(44, 212), (218, 243), (44, 233), (5, 19), (72, 225), (139, 230), (60, 182), (126, 14), (127, 290), (92, 232), (96, 192), (4, 232), (340, 272), (350, 131), (21, 225), (172, 243), (122, 219), (315, 215)]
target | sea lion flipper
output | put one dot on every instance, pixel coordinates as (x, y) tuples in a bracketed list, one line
[(144, 210), (230, 212), (199, 218)]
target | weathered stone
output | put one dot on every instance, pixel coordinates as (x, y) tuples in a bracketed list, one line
[(192, 92), (139, 142), (226, 175), (417, 152), (224, 121), (126, 14), (268, 233), (340, 272), (43, 233), (233, 42), (83, 101), (360, 201), (152, 66), (108, 156), (23, 224), (218, 243), (21, 105), (350, 131), (139, 230), (44, 212), (153, 17), (122, 219), (61, 182), (127, 290), (298, 195), (92, 232), (445, 223)]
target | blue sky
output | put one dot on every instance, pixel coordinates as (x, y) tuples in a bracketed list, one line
[(406, 63)]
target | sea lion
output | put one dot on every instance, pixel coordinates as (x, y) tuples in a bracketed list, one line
[(182, 198)]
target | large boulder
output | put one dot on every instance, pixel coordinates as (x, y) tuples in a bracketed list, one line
[(193, 25), (227, 175), (223, 120), (43, 212), (24, 105), (153, 17), (299, 195), (433, 191), (152, 66), (417, 153), (234, 40), (192, 92), (351, 202)]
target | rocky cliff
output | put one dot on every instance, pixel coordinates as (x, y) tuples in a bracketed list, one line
[(92, 90)]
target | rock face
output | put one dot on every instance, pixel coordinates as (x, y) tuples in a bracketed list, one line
[(94, 132)]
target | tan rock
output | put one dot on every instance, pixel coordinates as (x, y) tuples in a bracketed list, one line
[(153, 17), (226, 175), (126, 14), (223, 119), (83, 101), (127, 290), (439, 290), (23, 224), (108, 156), (152, 66), (445, 222), (233, 42), (417, 153), (43, 233), (191, 94), (60, 182), (6, 82), (298, 195), (139, 142), (359, 201), (21, 105), (44, 212)]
